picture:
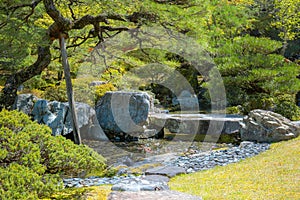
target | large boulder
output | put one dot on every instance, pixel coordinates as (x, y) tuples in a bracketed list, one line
[(186, 101), (267, 126), (122, 114), (25, 103), (58, 117)]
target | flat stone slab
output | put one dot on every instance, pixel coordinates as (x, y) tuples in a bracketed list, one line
[(222, 128), (137, 186), (197, 123), (156, 195), (169, 171), (156, 178)]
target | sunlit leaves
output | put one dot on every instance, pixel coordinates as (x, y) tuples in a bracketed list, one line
[(287, 18)]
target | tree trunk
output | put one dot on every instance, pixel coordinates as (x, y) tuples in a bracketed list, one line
[(284, 47), (9, 92), (76, 133)]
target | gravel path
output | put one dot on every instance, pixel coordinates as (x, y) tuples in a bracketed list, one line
[(191, 162)]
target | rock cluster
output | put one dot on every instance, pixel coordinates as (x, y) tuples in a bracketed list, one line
[(140, 184), (56, 115), (207, 160), (267, 126)]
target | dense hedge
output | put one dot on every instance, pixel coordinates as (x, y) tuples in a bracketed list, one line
[(32, 161)]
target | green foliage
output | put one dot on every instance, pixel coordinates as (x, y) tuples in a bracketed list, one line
[(21, 182), (234, 110), (29, 148), (254, 76), (235, 33), (18, 38), (286, 18), (256, 101), (283, 104), (286, 106), (102, 89), (57, 93)]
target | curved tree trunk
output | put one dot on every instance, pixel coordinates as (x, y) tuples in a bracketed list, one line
[(9, 92)]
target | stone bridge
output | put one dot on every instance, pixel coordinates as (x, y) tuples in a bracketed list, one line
[(212, 127)]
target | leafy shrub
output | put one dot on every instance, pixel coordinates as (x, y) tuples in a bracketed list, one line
[(286, 106), (20, 182), (102, 89), (36, 92), (258, 101), (82, 91), (56, 93), (281, 104), (234, 110), (31, 160)]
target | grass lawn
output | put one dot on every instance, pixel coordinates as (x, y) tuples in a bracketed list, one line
[(274, 174)]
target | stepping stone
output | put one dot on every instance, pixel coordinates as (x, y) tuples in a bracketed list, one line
[(146, 195), (139, 185), (156, 178), (169, 171)]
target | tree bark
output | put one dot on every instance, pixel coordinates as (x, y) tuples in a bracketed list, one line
[(9, 92), (76, 133)]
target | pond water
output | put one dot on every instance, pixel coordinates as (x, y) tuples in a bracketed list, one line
[(128, 153)]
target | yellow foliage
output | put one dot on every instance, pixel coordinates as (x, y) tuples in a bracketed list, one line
[(243, 2), (35, 92), (102, 89), (98, 193)]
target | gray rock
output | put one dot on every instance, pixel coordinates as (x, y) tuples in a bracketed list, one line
[(208, 160), (169, 171), (297, 123), (96, 83), (147, 133), (139, 185), (149, 195), (58, 117), (25, 103), (123, 113), (187, 101), (245, 144), (267, 126), (156, 178)]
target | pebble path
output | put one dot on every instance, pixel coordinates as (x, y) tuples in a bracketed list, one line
[(196, 161)]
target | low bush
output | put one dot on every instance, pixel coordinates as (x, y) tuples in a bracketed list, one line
[(286, 106), (32, 161), (102, 89), (283, 104), (56, 93)]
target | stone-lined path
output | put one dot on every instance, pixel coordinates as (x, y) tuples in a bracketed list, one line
[(153, 184)]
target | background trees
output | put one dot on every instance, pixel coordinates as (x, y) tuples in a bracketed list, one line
[(46, 20), (245, 39)]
